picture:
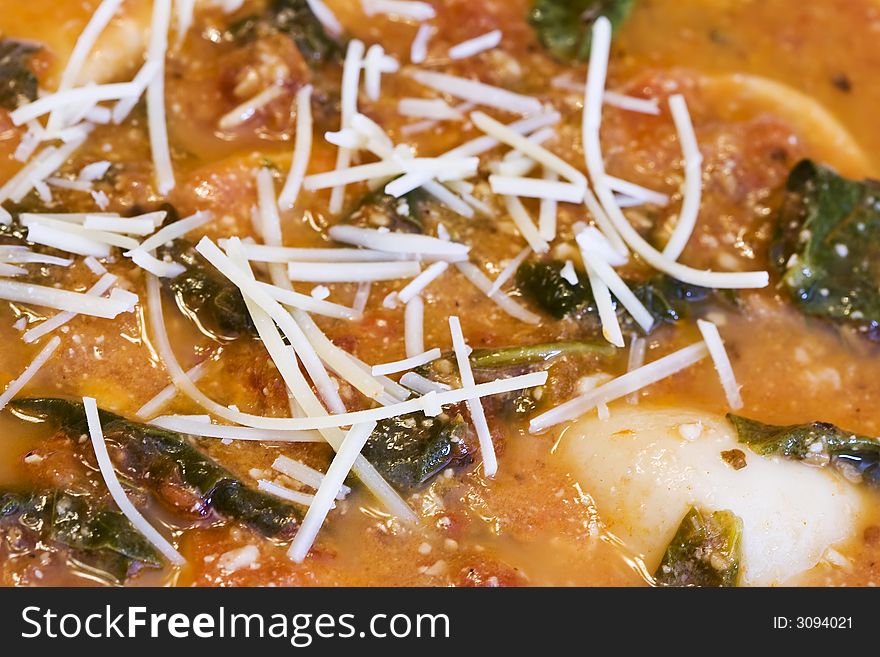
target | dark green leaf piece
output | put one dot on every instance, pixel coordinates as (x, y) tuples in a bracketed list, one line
[(564, 27), (542, 283), (828, 246), (504, 357), (99, 539), (821, 444), (380, 210), (206, 296), (295, 19), (705, 551), (490, 361), (411, 449), (166, 462), (18, 84)]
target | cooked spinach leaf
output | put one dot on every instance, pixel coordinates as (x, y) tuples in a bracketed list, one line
[(411, 449), (542, 283), (828, 246), (564, 27), (168, 464), (18, 84), (481, 359), (380, 210), (295, 19), (487, 362), (705, 551), (99, 539), (821, 444), (205, 295)]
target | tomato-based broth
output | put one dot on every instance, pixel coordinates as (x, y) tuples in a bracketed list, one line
[(590, 496)]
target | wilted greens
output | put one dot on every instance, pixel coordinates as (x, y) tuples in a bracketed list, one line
[(705, 551), (521, 357), (410, 449), (168, 464), (295, 19), (380, 210), (18, 84), (821, 444), (542, 283), (98, 539), (205, 295), (828, 247), (564, 27)]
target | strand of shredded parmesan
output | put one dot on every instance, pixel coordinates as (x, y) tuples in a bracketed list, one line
[(478, 416), (351, 73), (158, 128), (169, 392), (525, 225), (15, 386), (722, 363), (474, 46), (592, 119), (117, 493), (57, 321), (413, 326), (407, 363), (302, 149), (308, 401), (99, 20), (339, 468), (622, 386), (693, 160)]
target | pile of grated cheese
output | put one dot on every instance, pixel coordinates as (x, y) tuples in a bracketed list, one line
[(366, 154)]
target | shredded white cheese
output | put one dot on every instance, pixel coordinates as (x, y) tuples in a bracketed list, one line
[(508, 272), (339, 468), (722, 363), (351, 75), (693, 178), (593, 259), (117, 493), (477, 92), (525, 225), (158, 128), (536, 188), (303, 473), (528, 147), (636, 192), (549, 210), (407, 363), (169, 392), (387, 241), (413, 326), (196, 427), (423, 280), (418, 11), (15, 386), (428, 108), (479, 280), (476, 45), (475, 407), (351, 272), (60, 319), (78, 302), (419, 49), (285, 493), (622, 386), (599, 52), (247, 110)]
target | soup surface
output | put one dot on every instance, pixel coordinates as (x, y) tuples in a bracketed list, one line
[(589, 497)]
